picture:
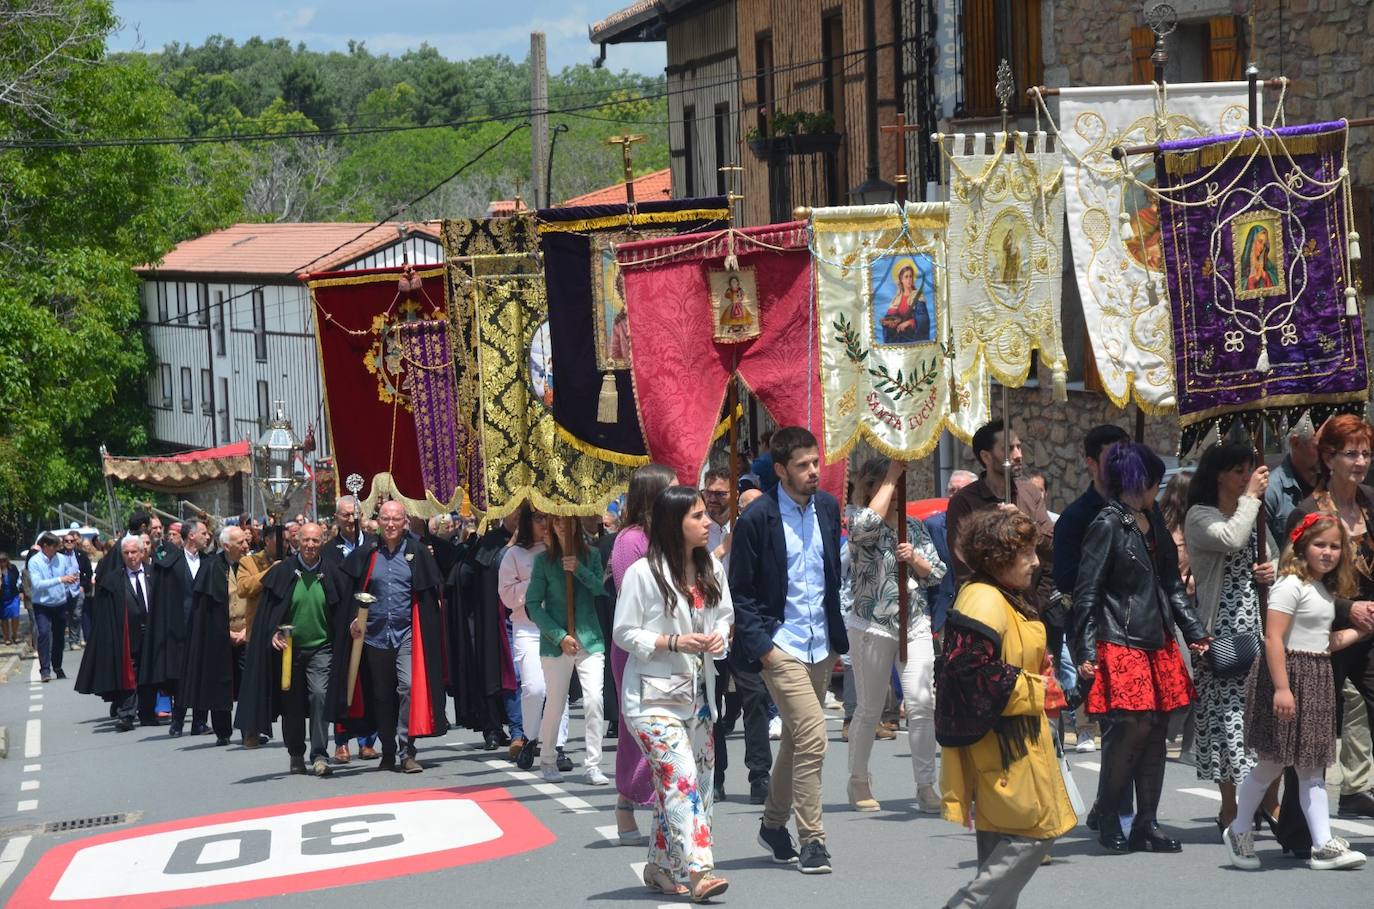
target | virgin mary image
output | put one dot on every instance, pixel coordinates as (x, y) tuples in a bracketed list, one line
[(907, 320), (1259, 270), (734, 315)]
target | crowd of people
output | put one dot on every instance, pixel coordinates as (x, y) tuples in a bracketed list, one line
[(1229, 604)]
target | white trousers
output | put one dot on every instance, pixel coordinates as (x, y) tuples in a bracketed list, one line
[(524, 650), (591, 672), (872, 656)]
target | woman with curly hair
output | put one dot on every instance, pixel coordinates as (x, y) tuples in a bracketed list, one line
[(1129, 598), (999, 773)]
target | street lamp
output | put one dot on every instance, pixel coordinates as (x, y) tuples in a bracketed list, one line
[(873, 191), (274, 467)]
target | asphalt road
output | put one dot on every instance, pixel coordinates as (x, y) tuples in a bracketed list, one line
[(361, 837)]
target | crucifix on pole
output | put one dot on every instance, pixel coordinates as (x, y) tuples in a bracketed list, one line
[(901, 128), (626, 142)]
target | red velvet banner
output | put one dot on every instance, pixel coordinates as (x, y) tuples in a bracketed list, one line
[(367, 385)]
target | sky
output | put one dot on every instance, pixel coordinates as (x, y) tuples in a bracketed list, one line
[(458, 29)]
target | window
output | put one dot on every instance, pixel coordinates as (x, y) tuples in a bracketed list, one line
[(187, 401), (723, 147), (219, 323), (222, 403), (259, 326), (832, 100), (264, 406), (181, 302), (1205, 51), (160, 288), (207, 393), (994, 30), (764, 89), (689, 149), (164, 373), (203, 304)]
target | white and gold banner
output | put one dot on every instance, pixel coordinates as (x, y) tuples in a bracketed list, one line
[(883, 320), (1006, 257), (1114, 226)]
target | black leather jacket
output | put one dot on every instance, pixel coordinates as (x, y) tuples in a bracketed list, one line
[(1124, 594)]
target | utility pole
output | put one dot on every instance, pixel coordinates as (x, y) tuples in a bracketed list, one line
[(539, 119)]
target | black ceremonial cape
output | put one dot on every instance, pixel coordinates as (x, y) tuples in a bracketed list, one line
[(208, 682), (427, 701), (164, 644), (260, 688), (477, 630), (109, 664)]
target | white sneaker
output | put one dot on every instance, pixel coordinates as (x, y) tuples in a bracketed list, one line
[(1241, 847), (550, 773), (1085, 745), (832, 702), (1334, 856), (775, 728), (594, 777)]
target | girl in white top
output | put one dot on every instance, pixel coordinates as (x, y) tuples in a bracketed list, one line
[(1290, 712), (513, 577), (672, 617)]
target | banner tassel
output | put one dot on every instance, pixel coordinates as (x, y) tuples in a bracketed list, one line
[(1262, 364), (1352, 306), (608, 401), (1354, 247), (1061, 381)]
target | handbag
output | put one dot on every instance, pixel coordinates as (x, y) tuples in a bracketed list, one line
[(674, 691), (1071, 787), (1232, 655)]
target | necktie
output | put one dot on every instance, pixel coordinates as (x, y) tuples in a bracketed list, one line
[(138, 590)]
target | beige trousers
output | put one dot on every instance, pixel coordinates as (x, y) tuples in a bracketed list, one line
[(798, 690)]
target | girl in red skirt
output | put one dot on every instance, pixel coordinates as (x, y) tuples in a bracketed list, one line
[(1127, 601), (1290, 710)]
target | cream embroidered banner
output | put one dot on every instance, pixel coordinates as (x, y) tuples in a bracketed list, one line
[(881, 301), (1006, 229), (1114, 226)]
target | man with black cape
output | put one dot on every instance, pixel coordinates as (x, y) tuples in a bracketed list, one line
[(174, 569), (208, 682), (482, 669), (119, 614), (402, 672), (304, 594)]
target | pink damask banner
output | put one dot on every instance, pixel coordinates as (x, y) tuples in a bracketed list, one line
[(694, 322)]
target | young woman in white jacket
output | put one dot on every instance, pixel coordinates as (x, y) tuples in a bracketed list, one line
[(673, 616)]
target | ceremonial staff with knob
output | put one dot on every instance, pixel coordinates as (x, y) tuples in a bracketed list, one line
[(901, 128), (733, 172), (1006, 87)]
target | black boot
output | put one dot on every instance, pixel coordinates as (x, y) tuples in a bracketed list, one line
[(1109, 833), (1122, 740), (1149, 784)]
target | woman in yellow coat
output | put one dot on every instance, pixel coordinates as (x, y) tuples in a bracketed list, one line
[(999, 772)]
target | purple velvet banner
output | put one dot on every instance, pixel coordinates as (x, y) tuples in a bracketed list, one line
[(434, 400), (1255, 251)]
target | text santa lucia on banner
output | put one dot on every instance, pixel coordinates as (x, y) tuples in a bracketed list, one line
[(883, 326), (1258, 251)]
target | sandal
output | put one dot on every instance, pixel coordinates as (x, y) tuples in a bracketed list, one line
[(708, 886), (658, 879)]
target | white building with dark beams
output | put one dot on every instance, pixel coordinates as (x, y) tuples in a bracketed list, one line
[(228, 319)]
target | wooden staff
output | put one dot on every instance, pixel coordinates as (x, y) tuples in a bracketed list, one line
[(286, 632), (355, 656), (903, 621), (731, 405)]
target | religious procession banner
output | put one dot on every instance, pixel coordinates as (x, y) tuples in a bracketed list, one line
[(883, 321), (594, 400), (1258, 253), (1006, 257), (704, 307), (1114, 224), (370, 383), (428, 356), (463, 238), (525, 456)]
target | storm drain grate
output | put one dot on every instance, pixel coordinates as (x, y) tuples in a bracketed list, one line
[(85, 823)]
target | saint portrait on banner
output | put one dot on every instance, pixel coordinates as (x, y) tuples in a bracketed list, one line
[(903, 287), (735, 302), (1258, 238)]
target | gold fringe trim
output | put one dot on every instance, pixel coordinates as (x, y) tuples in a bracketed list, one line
[(1180, 164), (654, 217), (886, 449), (604, 454), (884, 222), (1120, 402), (432, 271), (383, 487), (1349, 397), (537, 500)]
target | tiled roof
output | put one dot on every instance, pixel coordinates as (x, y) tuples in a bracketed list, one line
[(286, 249), (653, 187), (637, 22)]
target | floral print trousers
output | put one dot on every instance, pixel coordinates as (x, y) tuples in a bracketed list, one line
[(682, 756)]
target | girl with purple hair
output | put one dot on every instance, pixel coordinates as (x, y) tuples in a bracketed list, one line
[(1127, 601)]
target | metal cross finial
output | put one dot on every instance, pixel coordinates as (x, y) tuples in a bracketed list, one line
[(1006, 84), (625, 142), (1162, 19), (354, 484)]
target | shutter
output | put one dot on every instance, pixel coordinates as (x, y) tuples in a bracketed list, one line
[(980, 59), (1223, 58), (1142, 46)]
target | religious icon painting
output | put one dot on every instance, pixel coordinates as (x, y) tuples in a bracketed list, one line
[(1009, 254), (1140, 230), (902, 299), (735, 305), (1257, 241), (608, 301), (541, 365)]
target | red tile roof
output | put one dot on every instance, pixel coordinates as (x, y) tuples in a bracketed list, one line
[(285, 249), (652, 187)]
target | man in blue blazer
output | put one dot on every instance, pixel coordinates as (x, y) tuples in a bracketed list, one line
[(785, 585)]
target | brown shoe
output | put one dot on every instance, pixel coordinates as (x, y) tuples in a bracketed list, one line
[(410, 765), (341, 755), (883, 734), (514, 749), (368, 753)]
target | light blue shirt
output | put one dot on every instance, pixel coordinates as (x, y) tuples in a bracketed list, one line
[(803, 632), (45, 580), (388, 619), (71, 566)]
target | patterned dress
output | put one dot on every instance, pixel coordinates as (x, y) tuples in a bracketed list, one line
[(1220, 744)]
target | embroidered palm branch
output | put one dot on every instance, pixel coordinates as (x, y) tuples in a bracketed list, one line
[(846, 334), (899, 386)]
